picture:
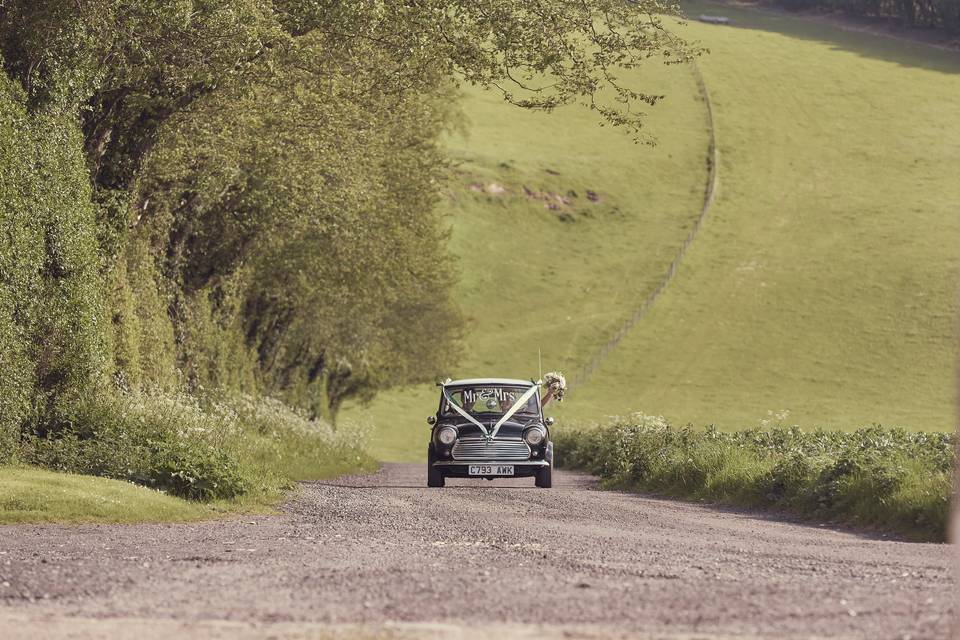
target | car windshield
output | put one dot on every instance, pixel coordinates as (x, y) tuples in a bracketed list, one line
[(494, 399)]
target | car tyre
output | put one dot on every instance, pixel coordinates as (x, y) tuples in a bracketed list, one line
[(544, 477), (434, 475)]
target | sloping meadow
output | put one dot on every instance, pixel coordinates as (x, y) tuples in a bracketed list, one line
[(886, 479)]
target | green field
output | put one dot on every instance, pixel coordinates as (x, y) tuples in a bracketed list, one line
[(822, 283)]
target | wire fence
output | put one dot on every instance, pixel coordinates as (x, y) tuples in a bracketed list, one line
[(583, 376)]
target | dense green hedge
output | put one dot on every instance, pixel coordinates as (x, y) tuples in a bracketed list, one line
[(887, 479), (80, 333), (937, 14), (52, 338)]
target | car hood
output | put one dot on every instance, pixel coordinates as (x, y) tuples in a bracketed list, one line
[(512, 428)]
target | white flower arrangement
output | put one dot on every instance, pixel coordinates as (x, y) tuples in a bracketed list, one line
[(556, 385)]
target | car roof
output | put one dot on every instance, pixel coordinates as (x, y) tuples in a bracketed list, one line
[(475, 381)]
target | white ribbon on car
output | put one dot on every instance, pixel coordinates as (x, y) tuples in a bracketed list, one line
[(509, 414), (463, 413), (516, 405)]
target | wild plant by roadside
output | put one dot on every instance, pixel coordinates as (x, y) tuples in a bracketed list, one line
[(201, 449), (888, 479)]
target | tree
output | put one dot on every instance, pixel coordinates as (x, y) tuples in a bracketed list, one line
[(272, 167)]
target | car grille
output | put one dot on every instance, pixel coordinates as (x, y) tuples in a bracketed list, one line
[(496, 449)]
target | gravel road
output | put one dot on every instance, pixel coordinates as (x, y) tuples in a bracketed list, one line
[(382, 556)]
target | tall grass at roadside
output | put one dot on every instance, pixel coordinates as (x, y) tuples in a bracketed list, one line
[(201, 449), (886, 479)]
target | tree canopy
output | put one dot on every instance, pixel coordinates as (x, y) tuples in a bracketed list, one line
[(263, 175)]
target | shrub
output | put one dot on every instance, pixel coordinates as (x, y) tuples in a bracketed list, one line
[(888, 479), (196, 449), (164, 443), (51, 305)]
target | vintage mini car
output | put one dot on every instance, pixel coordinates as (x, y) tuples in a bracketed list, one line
[(490, 428)]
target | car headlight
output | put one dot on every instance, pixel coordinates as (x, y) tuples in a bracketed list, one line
[(534, 436), (446, 435)]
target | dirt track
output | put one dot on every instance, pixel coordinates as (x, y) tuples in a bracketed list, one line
[(399, 560)]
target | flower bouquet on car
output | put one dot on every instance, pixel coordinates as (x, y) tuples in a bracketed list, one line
[(555, 385)]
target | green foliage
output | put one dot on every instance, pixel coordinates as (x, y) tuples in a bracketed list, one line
[(164, 444), (889, 479), (52, 339), (241, 195), (538, 55), (215, 449), (279, 238)]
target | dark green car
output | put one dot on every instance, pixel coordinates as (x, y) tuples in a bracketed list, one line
[(490, 428)]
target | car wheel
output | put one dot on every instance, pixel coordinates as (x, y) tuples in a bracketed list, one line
[(544, 477), (434, 475)]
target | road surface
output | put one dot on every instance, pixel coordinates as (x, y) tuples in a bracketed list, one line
[(382, 556)]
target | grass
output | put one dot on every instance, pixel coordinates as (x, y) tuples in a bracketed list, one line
[(822, 283), (29, 494), (885, 479)]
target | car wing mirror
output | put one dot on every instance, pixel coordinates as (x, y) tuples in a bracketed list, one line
[(432, 420), (549, 422)]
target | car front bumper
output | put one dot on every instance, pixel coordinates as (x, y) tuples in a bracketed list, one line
[(461, 468)]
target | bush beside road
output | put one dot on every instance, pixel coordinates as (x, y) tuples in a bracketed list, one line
[(202, 458), (879, 478)]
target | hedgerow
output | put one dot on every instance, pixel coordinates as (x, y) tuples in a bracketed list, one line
[(888, 479), (52, 337), (197, 449)]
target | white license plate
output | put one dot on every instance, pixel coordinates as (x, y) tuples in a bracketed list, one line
[(491, 470)]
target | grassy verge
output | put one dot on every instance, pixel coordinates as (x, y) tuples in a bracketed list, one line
[(193, 459), (29, 494), (878, 478)]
